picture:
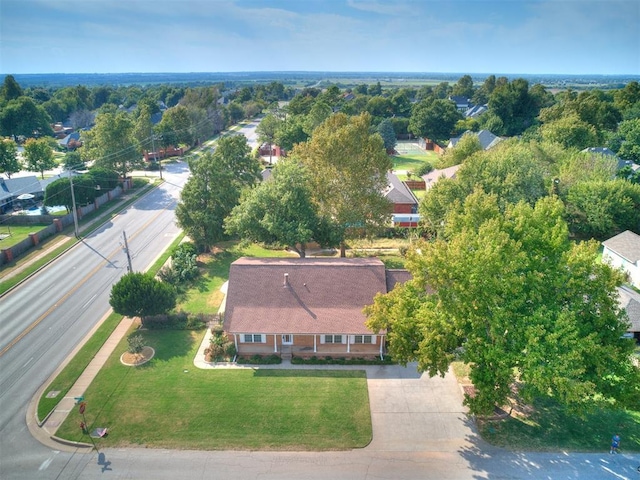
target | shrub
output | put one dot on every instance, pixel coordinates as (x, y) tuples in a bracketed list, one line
[(175, 321), (260, 360), (136, 344), (342, 361), (184, 265), (423, 169)]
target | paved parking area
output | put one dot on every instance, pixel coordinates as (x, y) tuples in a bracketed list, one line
[(412, 412)]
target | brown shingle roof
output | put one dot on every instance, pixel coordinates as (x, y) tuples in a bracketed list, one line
[(319, 295)]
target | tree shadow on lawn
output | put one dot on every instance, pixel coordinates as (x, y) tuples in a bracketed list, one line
[(550, 427)]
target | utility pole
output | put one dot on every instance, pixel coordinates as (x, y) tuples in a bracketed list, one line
[(73, 201), (153, 146), (126, 250)]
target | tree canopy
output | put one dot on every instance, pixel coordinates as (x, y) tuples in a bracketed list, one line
[(347, 168), (9, 163), (206, 200), (280, 211), (39, 155), (434, 119), (508, 293), (111, 143), (141, 295)]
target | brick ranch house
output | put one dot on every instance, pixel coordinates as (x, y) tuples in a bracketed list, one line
[(305, 306)]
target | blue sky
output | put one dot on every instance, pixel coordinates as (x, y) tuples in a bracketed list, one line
[(453, 36)]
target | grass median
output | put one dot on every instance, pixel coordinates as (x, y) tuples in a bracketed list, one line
[(72, 371)]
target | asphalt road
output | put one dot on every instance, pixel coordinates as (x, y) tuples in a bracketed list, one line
[(43, 319)]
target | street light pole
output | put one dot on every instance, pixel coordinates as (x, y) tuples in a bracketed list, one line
[(73, 201)]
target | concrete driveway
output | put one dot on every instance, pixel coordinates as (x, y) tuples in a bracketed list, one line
[(411, 412)]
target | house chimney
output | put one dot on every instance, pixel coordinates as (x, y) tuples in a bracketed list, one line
[(286, 280)]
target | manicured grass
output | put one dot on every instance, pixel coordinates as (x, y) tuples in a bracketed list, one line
[(18, 233), (205, 296), (413, 161), (69, 374), (168, 403), (551, 428)]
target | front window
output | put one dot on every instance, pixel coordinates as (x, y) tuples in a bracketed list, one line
[(368, 339), (333, 339), (252, 338)]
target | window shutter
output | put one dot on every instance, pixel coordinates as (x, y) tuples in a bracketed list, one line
[(322, 339), (373, 339), (263, 338), (344, 339), (352, 339)]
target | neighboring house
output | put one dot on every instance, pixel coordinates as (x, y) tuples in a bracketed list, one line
[(433, 176), (306, 306), (12, 188), (266, 174), (401, 196), (270, 150), (629, 300), (623, 251), (462, 103), (71, 141), (606, 152), (475, 111), (487, 139)]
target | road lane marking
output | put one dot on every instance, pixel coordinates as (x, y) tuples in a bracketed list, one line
[(78, 285)]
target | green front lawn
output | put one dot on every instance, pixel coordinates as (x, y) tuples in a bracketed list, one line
[(205, 296), (17, 233), (413, 161), (549, 427), (168, 403)]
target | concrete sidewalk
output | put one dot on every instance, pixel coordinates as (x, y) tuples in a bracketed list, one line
[(45, 431)]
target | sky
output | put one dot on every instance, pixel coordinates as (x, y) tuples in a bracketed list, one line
[(449, 36)]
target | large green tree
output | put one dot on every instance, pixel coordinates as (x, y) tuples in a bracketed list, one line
[(570, 132), (206, 200), (142, 295), (347, 167), (9, 163), (58, 192), (267, 130), (434, 119), (507, 293), (602, 209), (39, 155), (280, 211), (22, 116), (111, 144), (234, 154), (629, 134), (385, 129)]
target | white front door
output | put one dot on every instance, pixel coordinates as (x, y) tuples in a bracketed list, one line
[(287, 339)]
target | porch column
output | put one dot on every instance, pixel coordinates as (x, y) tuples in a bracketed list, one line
[(235, 341), (314, 344), (381, 342), (275, 343), (348, 343)]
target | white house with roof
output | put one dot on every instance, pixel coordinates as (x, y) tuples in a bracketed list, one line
[(623, 252), (629, 301)]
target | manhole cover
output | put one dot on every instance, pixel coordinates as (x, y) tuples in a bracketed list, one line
[(53, 393)]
